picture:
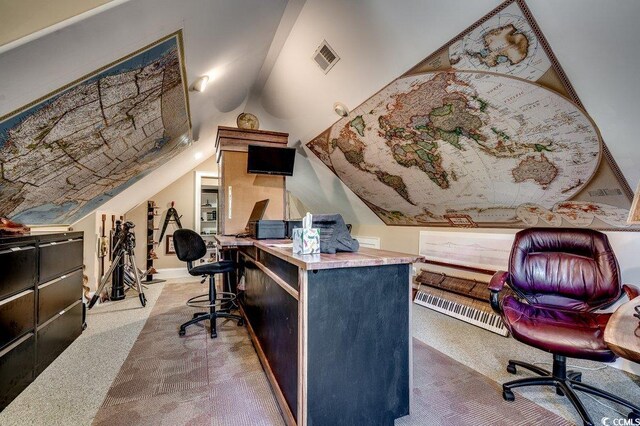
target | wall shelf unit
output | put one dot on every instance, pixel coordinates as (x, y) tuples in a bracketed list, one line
[(206, 210), (152, 213)]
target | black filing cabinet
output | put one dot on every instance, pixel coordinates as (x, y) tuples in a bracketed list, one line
[(40, 305)]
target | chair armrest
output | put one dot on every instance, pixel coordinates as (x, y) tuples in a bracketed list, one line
[(631, 291), (498, 280)]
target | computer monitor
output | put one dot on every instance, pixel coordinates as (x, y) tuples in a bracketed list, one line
[(257, 213)]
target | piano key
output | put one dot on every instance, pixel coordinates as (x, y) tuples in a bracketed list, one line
[(459, 310)]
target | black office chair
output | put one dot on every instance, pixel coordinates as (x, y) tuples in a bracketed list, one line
[(190, 247)]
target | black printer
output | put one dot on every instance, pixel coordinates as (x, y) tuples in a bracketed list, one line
[(267, 229)]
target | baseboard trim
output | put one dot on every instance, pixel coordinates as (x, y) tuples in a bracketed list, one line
[(168, 273), (626, 365)]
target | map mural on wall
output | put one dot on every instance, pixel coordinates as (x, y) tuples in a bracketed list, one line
[(485, 132), (66, 154)]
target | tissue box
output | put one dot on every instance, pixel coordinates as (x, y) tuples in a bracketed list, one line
[(306, 241)]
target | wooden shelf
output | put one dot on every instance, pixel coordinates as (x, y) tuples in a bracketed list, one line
[(151, 227)]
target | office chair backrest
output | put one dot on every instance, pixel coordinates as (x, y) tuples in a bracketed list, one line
[(189, 245), (565, 268)]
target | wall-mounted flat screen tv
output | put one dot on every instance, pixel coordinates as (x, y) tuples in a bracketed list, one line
[(270, 161)]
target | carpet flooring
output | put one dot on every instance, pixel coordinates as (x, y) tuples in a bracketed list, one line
[(488, 353), (196, 380), (446, 392), (127, 369), (71, 389)]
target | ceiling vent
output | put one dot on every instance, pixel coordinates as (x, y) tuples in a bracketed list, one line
[(325, 56)]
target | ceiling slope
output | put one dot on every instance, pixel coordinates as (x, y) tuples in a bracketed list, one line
[(27, 20), (226, 40), (379, 41)]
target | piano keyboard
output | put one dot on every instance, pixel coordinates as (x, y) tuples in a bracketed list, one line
[(478, 317)]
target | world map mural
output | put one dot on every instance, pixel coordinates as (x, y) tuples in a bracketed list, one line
[(485, 132), (66, 154)]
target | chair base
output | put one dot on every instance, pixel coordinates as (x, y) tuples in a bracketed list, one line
[(566, 383), (211, 302), (203, 316)]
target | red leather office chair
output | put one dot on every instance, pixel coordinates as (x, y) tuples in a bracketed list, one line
[(560, 277)]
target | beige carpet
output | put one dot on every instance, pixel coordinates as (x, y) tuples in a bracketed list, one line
[(71, 389)]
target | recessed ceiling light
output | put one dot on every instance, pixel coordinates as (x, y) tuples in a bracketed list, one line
[(341, 109), (201, 83), (197, 155)]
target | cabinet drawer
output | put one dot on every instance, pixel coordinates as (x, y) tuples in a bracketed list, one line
[(56, 295), (55, 335), (18, 269), (16, 369), (16, 316), (59, 257)]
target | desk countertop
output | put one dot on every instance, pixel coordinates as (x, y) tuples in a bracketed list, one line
[(230, 241), (620, 333), (363, 257)]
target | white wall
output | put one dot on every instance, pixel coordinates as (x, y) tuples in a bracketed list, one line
[(91, 226), (182, 192)]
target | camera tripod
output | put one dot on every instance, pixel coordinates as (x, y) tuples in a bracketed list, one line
[(126, 242)]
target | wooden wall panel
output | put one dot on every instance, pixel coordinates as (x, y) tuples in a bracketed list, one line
[(246, 189)]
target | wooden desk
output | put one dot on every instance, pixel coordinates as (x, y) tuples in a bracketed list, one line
[(332, 331), (623, 331), (228, 248)]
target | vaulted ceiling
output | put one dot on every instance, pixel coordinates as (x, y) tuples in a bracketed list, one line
[(228, 40), (259, 53)]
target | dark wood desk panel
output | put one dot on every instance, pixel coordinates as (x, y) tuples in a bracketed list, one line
[(358, 345), (339, 324), (273, 316), (283, 269)]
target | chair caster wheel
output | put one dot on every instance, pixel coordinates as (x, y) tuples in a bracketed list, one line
[(634, 416), (240, 323), (214, 335), (182, 332), (143, 299), (511, 369), (559, 392), (507, 395)]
